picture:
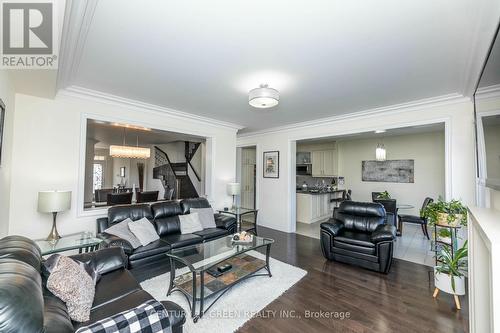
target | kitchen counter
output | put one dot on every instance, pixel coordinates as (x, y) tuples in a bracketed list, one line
[(318, 193)]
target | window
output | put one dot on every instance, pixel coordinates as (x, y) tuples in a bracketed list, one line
[(97, 179)]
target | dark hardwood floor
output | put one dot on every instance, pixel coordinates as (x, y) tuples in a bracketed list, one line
[(398, 302)]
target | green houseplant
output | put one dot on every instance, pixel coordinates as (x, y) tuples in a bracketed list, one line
[(451, 213), (383, 195), (449, 274)]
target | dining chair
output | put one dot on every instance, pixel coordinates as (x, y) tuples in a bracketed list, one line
[(375, 195), (119, 198), (417, 219), (390, 206), (147, 196)]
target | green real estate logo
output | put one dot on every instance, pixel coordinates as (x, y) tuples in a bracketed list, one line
[(28, 35)]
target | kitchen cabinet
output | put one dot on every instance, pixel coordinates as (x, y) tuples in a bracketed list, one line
[(313, 208), (324, 163)]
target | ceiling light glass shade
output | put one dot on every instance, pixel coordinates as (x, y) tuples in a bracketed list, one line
[(263, 97), (380, 153), (129, 152)]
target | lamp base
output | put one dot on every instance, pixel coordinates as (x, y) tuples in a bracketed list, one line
[(54, 235)]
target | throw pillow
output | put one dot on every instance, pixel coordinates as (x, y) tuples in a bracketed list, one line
[(206, 217), (144, 230), (49, 265), (72, 285), (190, 223), (121, 230)]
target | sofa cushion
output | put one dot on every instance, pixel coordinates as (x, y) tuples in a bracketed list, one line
[(225, 221), (190, 223), (211, 233), (179, 240), (167, 225), (353, 248), (113, 286), (355, 238), (187, 204), (117, 214), (144, 230), (55, 315), (151, 249), (206, 216), (122, 230), (166, 209)]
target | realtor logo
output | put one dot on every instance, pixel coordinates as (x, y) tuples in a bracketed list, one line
[(28, 31)]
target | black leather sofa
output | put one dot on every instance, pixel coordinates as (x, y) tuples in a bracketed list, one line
[(27, 306), (165, 217), (358, 234)]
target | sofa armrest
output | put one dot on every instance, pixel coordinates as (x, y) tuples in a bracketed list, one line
[(332, 227), (224, 221), (105, 260), (383, 232), (115, 241), (102, 224), (391, 219)]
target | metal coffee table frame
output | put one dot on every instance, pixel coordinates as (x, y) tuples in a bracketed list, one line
[(193, 299)]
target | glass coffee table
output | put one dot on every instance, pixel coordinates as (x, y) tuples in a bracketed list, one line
[(83, 242), (204, 280)]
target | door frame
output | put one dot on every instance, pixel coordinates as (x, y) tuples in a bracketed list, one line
[(257, 170)]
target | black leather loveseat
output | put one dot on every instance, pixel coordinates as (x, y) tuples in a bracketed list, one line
[(358, 233), (165, 217), (27, 306)]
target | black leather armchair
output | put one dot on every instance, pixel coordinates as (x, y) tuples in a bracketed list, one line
[(358, 234)]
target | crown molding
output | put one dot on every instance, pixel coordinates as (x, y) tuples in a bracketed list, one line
[(77, 20), (488, 92), (375, 112), (100, 97)]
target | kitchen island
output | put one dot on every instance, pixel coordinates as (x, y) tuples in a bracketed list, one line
[(313, 206)]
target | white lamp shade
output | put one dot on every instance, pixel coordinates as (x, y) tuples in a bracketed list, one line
[(380, 153), (54, 201), (233, 188), (263, 97)]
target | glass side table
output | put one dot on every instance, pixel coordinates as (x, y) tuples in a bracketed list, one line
[(238, 213), (83, 242)]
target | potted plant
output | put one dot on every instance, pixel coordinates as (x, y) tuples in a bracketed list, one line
[(383, 195), (444, 235), (452, 213), (449, 274)]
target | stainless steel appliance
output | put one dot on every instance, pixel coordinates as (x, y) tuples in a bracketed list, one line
[(304, 169)]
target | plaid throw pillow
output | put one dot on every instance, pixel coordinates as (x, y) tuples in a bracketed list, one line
[(149, 317)]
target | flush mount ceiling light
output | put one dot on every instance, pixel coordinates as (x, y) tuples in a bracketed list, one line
[(379, 131), (263, 97)]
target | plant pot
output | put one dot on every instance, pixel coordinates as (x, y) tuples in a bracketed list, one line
[(443, 282), (442, 219)]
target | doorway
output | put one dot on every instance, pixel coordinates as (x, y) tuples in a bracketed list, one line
[(247, 177)]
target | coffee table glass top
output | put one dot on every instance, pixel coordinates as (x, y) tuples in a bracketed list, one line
[(201, 257), (69, 242)]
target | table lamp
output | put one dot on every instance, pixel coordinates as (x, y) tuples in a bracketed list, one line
[(234, 189), (54, 202)]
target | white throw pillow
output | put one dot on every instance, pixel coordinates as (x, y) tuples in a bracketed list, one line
[(121, 230), (206, 217), (144, 231), (190, 223)]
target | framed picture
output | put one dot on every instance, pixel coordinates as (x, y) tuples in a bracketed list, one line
[(271, 164), (2, 118)]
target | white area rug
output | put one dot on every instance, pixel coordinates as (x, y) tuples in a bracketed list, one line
[(236, 306)]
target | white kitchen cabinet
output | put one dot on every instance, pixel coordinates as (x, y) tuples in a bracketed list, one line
[(324, 163), (313, 208)]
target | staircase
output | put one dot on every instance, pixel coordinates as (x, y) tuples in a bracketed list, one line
[(174, 175)]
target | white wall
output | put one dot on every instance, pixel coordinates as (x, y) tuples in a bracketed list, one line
[(277, 198), (492, 148), (7, 96), (47, 141), (426, 149)]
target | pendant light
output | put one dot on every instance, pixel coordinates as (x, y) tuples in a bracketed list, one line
[(380, 153), (129, 151)]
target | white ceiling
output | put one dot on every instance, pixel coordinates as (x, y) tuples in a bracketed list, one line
[(326, 57), (421, 129), (106, 134)]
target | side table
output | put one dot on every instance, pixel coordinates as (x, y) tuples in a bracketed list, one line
[(80, 241)]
